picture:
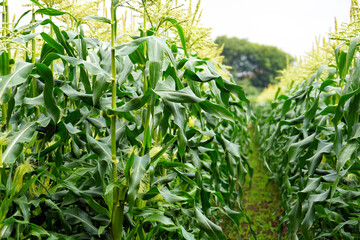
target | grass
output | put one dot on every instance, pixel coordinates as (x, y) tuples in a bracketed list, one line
[(260, 202)]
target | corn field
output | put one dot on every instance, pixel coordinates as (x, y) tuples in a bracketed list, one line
[(115, 140), (311, 136), (117, 132)]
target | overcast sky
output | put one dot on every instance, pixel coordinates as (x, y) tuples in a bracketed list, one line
[(291, 25)]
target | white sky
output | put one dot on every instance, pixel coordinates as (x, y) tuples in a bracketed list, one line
[(291, 25)]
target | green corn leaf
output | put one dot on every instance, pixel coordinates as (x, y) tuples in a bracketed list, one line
[(328, 110), (232, 148), (95, 205), (84, 218), (125, 49), (101, 149), (186, 234), (166, 50), (355, 76), (138, 170), (349, 194), (134, 104), (350, 54), (60, 37), (93, 68), (129, 164), (110, 188), (97, 122), (53, 43), (19, 19), (326, 83), (319, 197), (182, 96), (352, 222), (97, 18), (345, 155), (62, 135), (26, 38), (180, 32), (310, 113), (171, 197), (11, 106), (159, 218), (53, 12), (21, 73), (126, 71), (38, 231), (316, 158), (237, 90), (340, 57), (200, 77), (50, 12), (311, 185), (156, 53), (48, 94), (100, 86), (16, 145), (23, 204), (71, 129), (217, 110), (185, 178), (179, 114), (211, 229), (36, 101), (75, 95), (295, 218), (4, 67), (297, 148), (37, 3), (164, 149)]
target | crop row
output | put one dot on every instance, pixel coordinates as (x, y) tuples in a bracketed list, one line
[(134, 140), (311, 139)]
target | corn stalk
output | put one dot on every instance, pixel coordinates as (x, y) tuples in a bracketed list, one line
[(5, 57), (118, 204)]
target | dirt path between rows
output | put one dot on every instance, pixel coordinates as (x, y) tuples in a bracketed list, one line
[(260, 202)]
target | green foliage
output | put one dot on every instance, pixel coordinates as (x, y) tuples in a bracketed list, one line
[(259, 63), (311, 148), (117, 141)]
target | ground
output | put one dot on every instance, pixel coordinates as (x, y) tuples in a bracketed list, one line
[(260, 202)]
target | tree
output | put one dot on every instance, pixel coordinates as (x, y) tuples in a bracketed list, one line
[(258, 63)]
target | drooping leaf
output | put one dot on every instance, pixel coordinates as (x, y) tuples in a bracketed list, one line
[(53, 43), (137, 174), (211, 229), (48, 93), (180, 32), (345, 154), (15, 147), (21, 73), (101, 149), (84, 218), (159, 218), (97, 18)]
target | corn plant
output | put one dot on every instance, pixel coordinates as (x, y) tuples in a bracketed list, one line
[(137, 140), (311, 146)]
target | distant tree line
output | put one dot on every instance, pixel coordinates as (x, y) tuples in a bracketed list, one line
[(251, 62)]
